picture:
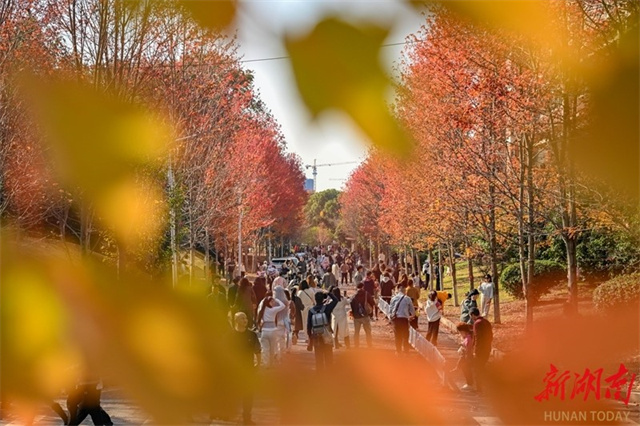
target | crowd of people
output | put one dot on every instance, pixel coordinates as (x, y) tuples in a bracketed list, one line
[(306, 301)]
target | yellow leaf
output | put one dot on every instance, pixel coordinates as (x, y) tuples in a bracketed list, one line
[(213, 14), (337, 66), (96, 139)]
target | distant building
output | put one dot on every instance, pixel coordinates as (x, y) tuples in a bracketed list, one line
[(308, 185)]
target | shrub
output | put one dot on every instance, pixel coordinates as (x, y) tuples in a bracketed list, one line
[(622, 290), (547, 274)]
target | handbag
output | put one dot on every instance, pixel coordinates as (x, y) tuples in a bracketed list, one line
[(327, 336)]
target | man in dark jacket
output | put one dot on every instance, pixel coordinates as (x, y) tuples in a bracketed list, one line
[(386, 287), (370, 287), (482, 339), (323, 348), (361, 304), (468, 304), (232, 292)]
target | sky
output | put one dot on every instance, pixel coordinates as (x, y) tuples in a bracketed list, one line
[(331, 138)]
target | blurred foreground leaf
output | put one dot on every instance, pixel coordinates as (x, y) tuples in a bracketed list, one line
[(97, 140), (611, 151), (168, 351), (101, 148), (337, 66), (527, 17), (213, 14)]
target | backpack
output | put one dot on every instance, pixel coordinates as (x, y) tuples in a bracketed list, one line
[(358, 308), (318, 321)]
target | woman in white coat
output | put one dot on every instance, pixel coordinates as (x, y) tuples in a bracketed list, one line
[(269, 332), (339, 322), (307, 296)]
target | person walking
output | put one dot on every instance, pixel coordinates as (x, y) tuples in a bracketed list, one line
[(486, 289), (426, 271), (350, 267), (467, 304), (402, 311), (311, 281), (465, 362), (321, 342), (217, 299), (260, 286), (344, 271), (280, 280), (483, 338), (269, 331), (433, 310), (85, 401), (361, 305), (339, 322), (386, 287), (404, 281), (329, 280), (413, 291), (246, 300), (283, 324), (370, 287), (248, 348), (358, 277), (335, 270), (307, 297), (298, 324)]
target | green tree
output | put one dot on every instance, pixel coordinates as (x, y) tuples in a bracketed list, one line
[(323, 209)]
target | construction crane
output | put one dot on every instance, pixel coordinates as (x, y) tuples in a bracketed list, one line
[(314, 169)]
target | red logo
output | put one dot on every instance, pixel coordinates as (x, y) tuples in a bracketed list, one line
[(617, 386)]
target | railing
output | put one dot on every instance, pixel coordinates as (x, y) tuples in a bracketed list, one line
[(425, 348), (384, 307)]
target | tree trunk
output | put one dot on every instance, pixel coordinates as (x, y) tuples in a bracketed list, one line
[(191, 242), (440, 268), (522, 241), (470, 269), (531, 249), (172, 225), (207, 257), (416, 261), (493, 253), (572, 270), (430, 277), (454, 280)]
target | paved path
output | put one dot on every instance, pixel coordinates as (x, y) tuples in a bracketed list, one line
[(366, 386)]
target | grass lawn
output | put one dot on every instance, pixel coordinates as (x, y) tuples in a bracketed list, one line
[(512, 310)]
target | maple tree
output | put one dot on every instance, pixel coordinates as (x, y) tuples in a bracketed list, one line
[(492, 164)]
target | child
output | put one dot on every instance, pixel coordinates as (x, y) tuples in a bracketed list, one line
[(466, 354)]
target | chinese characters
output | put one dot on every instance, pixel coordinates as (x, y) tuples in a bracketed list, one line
[(567, 385)]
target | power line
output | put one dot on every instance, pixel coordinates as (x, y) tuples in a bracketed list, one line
[(276, 58)]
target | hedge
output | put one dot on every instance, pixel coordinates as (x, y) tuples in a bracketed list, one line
[(547, 275), (619, 291)]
